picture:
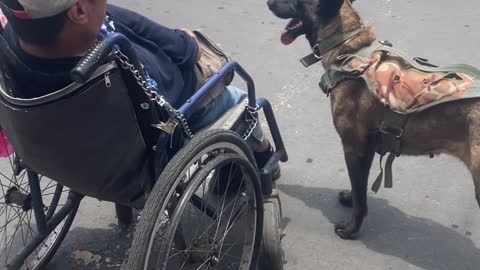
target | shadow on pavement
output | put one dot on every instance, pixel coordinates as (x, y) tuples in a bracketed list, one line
[(387, 230)]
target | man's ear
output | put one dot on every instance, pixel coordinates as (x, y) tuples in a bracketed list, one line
[(329, 8), (78, 13)]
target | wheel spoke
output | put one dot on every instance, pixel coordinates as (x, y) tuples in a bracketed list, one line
[(18, 223), (234, 203), (223, 200), (4, 186), (23, 234), (48, 186), (214, 221), (11, 182), (235, 219), (7, 221), (228, 255), (230, 248), (185, 261), (1, 185), (11, 240), (200, 267), (4, 227)]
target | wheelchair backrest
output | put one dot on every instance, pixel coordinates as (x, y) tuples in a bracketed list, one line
[(85, 137)]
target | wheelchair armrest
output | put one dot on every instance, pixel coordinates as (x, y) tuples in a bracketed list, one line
[(188, 108), (98, 55)]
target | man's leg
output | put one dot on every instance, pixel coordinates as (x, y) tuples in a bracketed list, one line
[(230, 97)]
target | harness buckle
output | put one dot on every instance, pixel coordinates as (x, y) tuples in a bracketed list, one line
[(385, 129), (316, 51)]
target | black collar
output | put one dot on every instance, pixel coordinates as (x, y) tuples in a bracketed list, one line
[(319, 49)]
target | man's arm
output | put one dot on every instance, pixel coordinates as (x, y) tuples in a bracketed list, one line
[(180, 45), (190, 33)]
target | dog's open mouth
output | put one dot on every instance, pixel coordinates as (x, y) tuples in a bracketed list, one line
[(294, 29)]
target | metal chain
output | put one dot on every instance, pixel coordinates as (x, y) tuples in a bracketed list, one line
[(152, 92), (252, 118)]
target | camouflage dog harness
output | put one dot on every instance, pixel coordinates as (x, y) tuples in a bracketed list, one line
[(404, 84)]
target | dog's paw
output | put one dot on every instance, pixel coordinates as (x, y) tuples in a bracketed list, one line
[(346, 231), (345, 198)]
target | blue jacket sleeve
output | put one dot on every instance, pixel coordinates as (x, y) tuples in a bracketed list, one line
[(178, 45)]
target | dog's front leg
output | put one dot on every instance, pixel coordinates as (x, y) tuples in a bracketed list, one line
[(358, 157)]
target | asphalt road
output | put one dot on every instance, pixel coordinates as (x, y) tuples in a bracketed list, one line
[(429, 220)]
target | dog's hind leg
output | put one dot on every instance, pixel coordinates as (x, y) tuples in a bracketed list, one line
[(475, 170), (471, 152)]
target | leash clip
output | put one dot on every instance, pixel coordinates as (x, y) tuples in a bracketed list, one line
[(316, 51)]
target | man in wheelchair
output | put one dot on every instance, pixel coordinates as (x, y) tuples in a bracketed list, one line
[(51, 36)]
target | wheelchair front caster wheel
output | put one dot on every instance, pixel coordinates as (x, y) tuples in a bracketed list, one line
[(272, 257)]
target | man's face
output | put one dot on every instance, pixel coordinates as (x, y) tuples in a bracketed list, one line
[(86, 19), (96, 11)]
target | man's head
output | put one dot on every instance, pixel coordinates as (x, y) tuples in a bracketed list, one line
[(44, 22)]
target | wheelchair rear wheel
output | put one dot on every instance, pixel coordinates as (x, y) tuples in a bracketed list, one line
[(186, 226), (17, 221)]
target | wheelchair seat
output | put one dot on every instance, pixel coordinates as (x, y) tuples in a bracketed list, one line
[(85, 136)]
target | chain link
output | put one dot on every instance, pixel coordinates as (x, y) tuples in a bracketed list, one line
[(152, 92), (251, 117)]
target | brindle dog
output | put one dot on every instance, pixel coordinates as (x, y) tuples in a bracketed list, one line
[(452, 128)]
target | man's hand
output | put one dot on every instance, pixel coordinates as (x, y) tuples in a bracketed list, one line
[(190, 33)]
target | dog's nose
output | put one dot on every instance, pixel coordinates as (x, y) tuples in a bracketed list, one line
[(271, 4)]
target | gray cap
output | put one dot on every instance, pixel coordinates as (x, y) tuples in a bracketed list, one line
[(38, 9)]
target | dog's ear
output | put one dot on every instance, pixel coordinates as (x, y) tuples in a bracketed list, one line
[(329, 8)]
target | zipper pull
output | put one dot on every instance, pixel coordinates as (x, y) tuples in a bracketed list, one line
[(108, 83)]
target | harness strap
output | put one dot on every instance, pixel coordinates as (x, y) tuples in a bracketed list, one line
[(319, 49), (334, 75), (388, 171), (388, 140), (332, 78), (388, 174), (310, 60), (428, 68)]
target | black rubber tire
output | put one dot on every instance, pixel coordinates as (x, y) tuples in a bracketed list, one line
[(272, 254), (171, 177)]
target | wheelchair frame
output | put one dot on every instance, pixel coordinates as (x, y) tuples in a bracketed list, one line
[(45, 227)]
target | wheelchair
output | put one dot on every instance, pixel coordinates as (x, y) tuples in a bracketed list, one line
[(204, 203)]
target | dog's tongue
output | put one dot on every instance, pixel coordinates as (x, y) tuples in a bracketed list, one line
[(286, 38), (291, 31)]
